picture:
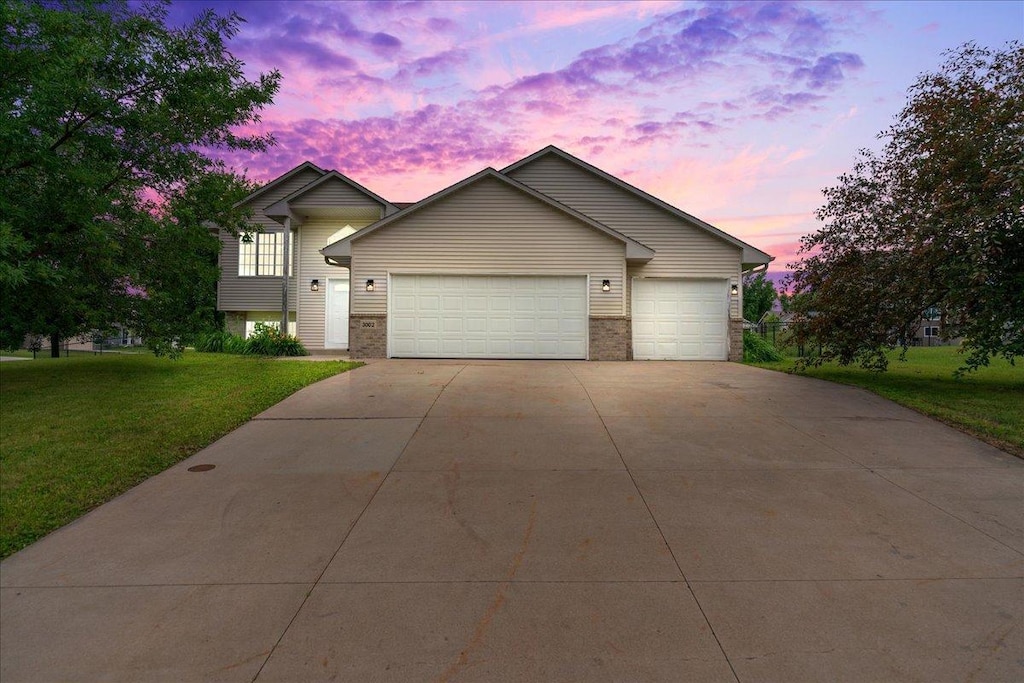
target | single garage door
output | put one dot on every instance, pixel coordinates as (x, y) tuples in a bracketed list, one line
[(473, 316), (680, 319)]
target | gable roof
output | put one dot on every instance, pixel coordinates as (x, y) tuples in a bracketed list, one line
[(634, 250), (751, 255), (304, 166), (327, 177)]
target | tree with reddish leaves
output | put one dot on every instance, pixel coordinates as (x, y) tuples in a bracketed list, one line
[(933, 220)]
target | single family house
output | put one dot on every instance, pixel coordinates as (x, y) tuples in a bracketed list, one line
[(548, 258)]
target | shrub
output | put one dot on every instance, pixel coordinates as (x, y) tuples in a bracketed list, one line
[(216, 342), (267, 340), (758, 350), (234, 344)]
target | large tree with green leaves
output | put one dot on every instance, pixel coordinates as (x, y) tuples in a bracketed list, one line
[(107, 184), (758, 296), (934, 219)]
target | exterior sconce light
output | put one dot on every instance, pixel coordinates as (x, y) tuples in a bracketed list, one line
[(369, 285), (314, 285), (735, 289), (606, 285)]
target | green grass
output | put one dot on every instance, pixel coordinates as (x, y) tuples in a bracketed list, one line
[(988, 403), (75, 432)]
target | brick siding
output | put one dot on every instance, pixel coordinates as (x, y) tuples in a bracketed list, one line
[(736, 341), (368, 336), (611, 339)]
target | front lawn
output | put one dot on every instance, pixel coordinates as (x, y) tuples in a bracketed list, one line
[(988, 403), (75, 432)]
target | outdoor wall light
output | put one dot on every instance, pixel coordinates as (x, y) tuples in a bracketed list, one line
[(606, 285), (735, 289), (369, 285), (314, 285)]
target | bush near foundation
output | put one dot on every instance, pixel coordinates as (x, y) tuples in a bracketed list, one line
[(265, 340), (758, 350)]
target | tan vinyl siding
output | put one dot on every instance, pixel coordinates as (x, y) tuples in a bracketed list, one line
[(236, 293), (682, 249), (333, 192), (312, 236), (488, 228)]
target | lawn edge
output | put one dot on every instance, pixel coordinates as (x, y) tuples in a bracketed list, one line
[(353, 365), (1005, 446)]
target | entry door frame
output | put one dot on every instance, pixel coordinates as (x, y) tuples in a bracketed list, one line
[(331, 299)]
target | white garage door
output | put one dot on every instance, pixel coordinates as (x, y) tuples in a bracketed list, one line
[(680, 319), (473, 316)]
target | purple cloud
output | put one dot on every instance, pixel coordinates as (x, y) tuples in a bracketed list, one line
[(681, 76), (299, 52), (434, 138), (442, 25), (425, 67), (827, 71)]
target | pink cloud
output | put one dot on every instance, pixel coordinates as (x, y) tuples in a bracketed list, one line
[(407, 98)]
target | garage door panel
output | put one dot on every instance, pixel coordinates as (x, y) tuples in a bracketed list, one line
[(680, 319), (548, 326), (488, 316)]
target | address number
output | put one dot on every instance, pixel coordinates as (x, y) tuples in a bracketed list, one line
[(369, 323)]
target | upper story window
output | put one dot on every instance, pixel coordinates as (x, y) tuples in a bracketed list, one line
[(262, 253)]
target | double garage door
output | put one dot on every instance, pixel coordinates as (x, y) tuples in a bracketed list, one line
[(472, 316)]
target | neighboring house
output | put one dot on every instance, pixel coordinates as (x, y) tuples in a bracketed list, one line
[(548, 258), (929, 331)]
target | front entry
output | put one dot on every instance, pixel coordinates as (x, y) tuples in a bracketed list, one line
[(336, 334)]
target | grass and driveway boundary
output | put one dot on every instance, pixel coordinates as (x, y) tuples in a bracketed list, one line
[(77, 431), (987, 403)]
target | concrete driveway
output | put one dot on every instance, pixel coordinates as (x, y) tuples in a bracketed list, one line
[(544, 521)]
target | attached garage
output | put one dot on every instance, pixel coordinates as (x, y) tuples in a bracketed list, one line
[(680, 319), (475, 316)]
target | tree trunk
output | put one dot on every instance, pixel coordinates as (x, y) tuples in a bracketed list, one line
[(54, 345)]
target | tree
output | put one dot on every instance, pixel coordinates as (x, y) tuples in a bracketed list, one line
[(932, 220), (758, 296), (107, 186)]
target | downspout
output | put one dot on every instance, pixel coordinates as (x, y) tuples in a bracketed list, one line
[(284, 275)]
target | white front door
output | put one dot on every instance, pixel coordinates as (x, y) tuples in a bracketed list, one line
[(336, 336)]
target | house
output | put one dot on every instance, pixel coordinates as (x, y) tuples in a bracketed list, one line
[(929, 330), (548, 258)]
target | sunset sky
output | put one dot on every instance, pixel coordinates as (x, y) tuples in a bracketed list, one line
[(739, 113)]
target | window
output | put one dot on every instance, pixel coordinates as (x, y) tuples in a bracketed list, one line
[(263, 253), (931, 332), (250, 326)]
